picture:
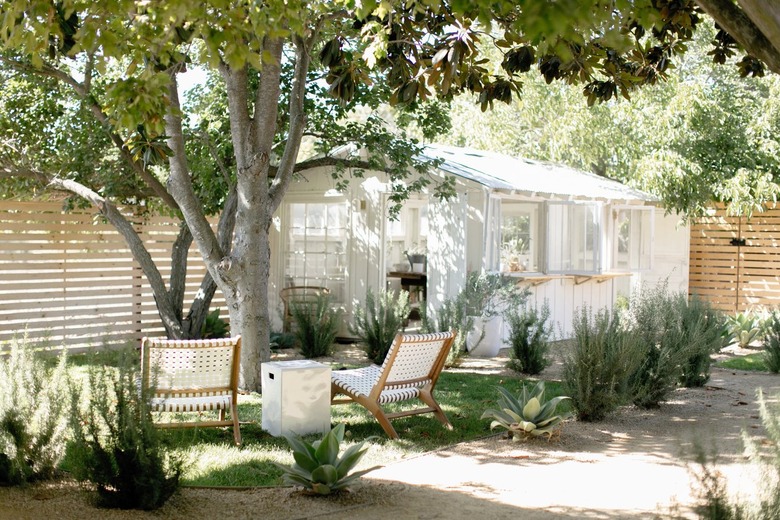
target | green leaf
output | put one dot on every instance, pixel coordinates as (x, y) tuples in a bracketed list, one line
[(531, 409), (350, 458), (328, 450), (326, 474)]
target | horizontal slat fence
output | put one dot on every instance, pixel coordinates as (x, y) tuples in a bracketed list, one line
[(735, 261), (67, 278)]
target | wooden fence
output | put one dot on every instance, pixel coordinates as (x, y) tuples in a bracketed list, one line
[(67, 278), (735, 261)]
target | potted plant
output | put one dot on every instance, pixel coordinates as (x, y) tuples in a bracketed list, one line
[(485, 297), (417, 258)]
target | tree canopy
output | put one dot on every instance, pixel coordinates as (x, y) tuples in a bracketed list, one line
[(121, 60)]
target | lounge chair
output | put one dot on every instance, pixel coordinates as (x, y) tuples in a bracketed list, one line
[(193, 376), (410, 371)]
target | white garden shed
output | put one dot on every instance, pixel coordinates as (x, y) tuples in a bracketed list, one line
[(572, 237)]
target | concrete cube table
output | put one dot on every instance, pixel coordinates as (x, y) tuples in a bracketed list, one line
[(296, 397)]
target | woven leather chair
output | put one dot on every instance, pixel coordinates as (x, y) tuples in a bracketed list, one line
[(193, 376), (410, 371)]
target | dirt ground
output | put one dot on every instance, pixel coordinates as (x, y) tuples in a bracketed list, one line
[(633, 465)]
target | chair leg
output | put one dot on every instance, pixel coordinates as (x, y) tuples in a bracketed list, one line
[(426, 396), (236, 427), (379, 415)]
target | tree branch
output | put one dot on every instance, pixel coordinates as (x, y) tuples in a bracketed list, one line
[(180, 185), (740, 26), (136, 245), (284, 173)]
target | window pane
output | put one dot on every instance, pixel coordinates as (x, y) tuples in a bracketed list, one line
[(573, 234), (520, 233), (633, 237)]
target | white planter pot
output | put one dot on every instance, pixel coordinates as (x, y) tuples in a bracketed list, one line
[(490, 343)]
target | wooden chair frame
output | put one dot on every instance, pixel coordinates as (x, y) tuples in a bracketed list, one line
[(421, 356), (193, 376)]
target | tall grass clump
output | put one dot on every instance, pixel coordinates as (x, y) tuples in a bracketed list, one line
[(33, 415), (700, 327), (596, 371), (115, 444), (317, 325), (771, 353), (377, 325), (529, 339)]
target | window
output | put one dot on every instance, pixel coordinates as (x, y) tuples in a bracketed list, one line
[(632, 249), (408, 233), (520, 234), (573, 235), (316, 244)]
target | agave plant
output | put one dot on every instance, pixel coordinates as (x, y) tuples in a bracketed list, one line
[(318, 467), (528, 416)]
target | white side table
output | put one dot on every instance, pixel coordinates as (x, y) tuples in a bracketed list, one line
[(296, 397)]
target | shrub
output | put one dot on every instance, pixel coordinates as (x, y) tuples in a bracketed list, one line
[(378, 324), (318, 467), (33, 415), (772, 342), (529, 338), (282, 340), (317, 325), (700, 329), (214, 327), (596, 372), (654, 317), (116, 446), (527, 415), (450, 316)]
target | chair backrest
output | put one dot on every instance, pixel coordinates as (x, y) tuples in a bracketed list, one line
[(415, 359), (201, 366), (296, 295)]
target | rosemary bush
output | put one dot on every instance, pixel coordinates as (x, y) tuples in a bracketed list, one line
[(33, 415), (317, 325), (529, 338), (596, 372), (377, 325), (115, 444), (772, 342), (654, 316)]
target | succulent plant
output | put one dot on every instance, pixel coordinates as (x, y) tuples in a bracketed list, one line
[(318, 467), (527, 416)]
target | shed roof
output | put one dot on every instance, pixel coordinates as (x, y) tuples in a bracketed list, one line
[(505, 173)]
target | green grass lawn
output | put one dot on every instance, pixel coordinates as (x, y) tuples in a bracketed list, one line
[(213, 460), (753, 362)]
